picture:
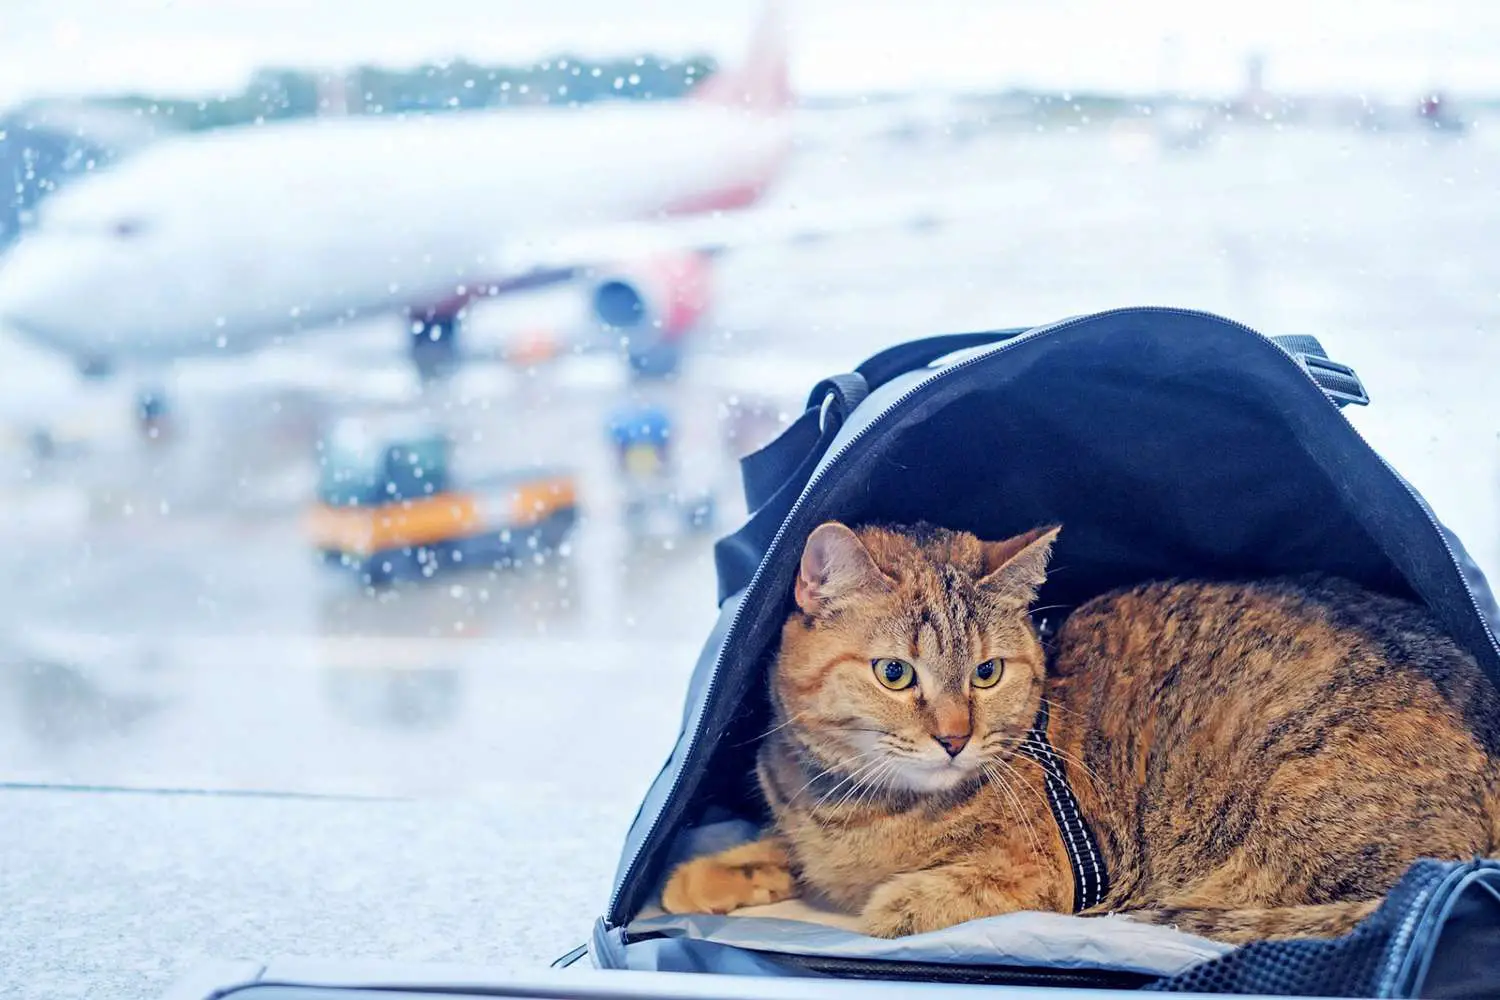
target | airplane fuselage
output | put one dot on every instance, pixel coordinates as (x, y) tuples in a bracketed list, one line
[(221, 242)]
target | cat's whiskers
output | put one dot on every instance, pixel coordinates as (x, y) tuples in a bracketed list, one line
[(1095, 781), (877, 784), (1088, 772), (1015, 773), (829, 770), (1015, 803), (866, 783), (1059, 707), (998, 743), (777, 728), (1013, 743), (852, 776), (1044, 807)]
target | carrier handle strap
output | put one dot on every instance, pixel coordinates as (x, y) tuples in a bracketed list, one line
[(832, 400), (764, 471), (893, 362), (1338, 382), (775, 475)]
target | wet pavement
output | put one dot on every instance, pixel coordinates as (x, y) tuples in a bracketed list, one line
[(167, 628)]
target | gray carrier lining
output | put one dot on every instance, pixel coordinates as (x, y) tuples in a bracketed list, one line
[(1046, 940)]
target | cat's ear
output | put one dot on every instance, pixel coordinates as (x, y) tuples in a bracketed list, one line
[(1017, 566), (835, 563)]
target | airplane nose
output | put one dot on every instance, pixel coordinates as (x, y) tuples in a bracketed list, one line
[(18, 283), (953, 744), (33, 289)]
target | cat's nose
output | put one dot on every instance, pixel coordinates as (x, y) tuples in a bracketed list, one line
[(953, 744)]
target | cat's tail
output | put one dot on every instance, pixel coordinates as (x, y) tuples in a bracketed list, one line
[(1238, 926)]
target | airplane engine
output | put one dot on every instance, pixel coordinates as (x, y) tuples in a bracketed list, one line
[(653, 304)]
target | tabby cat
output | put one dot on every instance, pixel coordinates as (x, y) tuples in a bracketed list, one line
[(1256, 760)]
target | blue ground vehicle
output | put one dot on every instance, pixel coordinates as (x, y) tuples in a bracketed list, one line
[(657, 503)]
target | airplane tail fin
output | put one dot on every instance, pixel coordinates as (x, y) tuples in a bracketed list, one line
[(762, 80)]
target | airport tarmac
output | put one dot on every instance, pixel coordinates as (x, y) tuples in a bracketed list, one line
[(166, 627)]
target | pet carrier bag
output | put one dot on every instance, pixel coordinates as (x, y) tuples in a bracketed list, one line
[(1169, 443)]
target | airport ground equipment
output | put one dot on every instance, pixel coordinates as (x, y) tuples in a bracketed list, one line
[(390, 506)]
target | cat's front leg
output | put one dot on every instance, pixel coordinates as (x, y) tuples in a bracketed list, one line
[(751, 874), (929, 900)]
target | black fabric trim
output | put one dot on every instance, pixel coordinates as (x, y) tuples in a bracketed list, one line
[(1090, 875), (976, 974)]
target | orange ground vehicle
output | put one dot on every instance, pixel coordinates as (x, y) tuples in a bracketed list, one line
[(388, 506)]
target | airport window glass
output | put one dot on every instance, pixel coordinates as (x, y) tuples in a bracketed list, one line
[(374, 376)]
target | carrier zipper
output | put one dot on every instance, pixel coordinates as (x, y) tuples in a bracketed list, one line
[(568, 958), (1399, 973), (1401, 940), (739, 609), (632, 869), (1411, 490)]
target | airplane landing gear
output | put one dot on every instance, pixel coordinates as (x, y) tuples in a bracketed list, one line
[(153, 414), (655, 359), (434, 345)]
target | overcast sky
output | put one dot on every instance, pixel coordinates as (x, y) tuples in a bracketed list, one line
[(1392, 48)]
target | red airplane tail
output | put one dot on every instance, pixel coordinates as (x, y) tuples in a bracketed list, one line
[(762, 80)]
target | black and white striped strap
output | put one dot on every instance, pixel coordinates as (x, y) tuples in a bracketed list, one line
[(1090, 877)]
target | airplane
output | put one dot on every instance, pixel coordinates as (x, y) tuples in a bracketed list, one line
[(228, 241)]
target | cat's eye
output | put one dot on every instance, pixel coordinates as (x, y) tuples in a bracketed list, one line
[(894, 674), (988, 673)]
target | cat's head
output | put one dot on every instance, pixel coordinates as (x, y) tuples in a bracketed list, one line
[(911, 660)]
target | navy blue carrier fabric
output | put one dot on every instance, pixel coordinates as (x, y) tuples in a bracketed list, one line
[(1436, 935), (1167, 443)]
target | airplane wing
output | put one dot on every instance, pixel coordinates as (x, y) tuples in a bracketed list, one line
[(577, 250)]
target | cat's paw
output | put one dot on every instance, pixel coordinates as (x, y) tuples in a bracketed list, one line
[(904, 905), (716, 884), (918, 902)]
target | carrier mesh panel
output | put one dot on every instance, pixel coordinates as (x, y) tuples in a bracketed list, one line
[(1359, 964)]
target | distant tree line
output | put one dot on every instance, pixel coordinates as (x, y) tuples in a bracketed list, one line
[(281, 94)]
